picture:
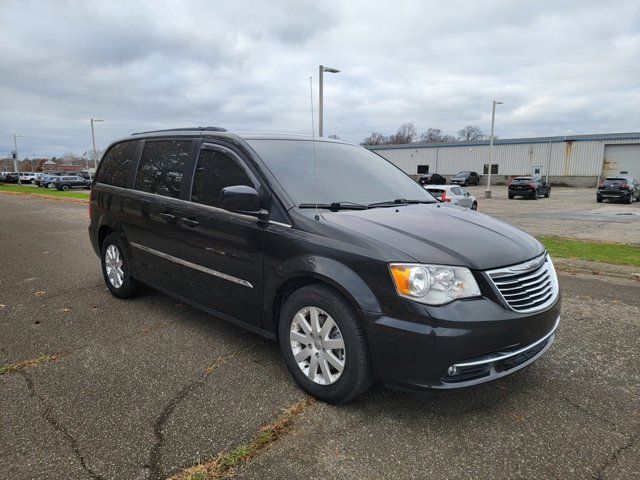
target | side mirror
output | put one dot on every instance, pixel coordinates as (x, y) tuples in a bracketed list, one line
[(240, 199)]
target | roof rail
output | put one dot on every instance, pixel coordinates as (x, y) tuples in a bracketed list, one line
[(184, 129)]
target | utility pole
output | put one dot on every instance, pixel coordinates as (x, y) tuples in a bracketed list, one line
[(321, 71), (16, 161), (93, 138), (487, 193)]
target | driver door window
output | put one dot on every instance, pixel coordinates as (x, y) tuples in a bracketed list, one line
[(216, 170)]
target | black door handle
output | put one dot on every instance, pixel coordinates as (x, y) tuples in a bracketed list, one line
[(190, 222), (167, 216)]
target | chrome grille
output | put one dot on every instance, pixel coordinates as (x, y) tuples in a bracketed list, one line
[(528, 287)]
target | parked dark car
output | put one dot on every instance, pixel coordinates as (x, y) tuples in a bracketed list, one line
[(528, 187), (331, 250), (621, 189), (46, 180), (9, 177), (68, 182), (466, 178), (432, 179)]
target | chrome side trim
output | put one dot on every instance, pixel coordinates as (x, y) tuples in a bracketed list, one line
[(499, 357), (195, 266), (273, 222)]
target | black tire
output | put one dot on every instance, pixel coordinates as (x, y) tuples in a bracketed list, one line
[(474, 206), (129, 287), (535, 195), (64, 187), (548, 194), (356, 377), (466, 183), (630, 198), (598, 199), (510, 196)]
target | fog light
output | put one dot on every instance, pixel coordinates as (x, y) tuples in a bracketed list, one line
[(451, 371)]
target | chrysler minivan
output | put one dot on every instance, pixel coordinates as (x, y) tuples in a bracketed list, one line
[(352, 267)]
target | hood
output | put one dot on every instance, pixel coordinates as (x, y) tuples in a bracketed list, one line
[(441, 234)]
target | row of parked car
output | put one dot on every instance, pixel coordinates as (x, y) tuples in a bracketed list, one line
[(45, 180)]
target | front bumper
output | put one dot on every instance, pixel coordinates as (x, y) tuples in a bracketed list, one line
[(479, 337)]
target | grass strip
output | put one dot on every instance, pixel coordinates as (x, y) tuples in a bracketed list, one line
[(49, 192), (221, 465), (14, 367), (614, 253)]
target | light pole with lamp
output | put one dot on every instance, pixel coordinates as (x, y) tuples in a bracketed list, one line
[(93, 138), (16, 161), (322, 69), (487, 192)]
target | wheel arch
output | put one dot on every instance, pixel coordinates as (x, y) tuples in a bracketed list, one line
[(301, 271)]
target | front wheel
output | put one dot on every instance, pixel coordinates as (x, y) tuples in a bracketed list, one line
[(65, 187), (323, 344), (116, 268), (510, 196), (548, 194), (474, 206)]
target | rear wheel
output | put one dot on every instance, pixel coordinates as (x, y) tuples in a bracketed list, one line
[(116, 268), (599, 199), (548, 194), (323, 344), (65, 187), (474, 206)]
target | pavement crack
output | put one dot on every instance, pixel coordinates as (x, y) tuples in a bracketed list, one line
[(48, 416), (615, 455), (155, 456), (225, 464)]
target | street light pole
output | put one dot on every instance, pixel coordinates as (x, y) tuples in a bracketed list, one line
[(487, 192), (93, 138), (321, 71), (16, 161)]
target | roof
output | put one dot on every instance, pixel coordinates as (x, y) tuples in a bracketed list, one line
[(511, 141), (49, 162)]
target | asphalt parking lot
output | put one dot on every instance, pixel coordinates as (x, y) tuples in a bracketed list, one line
[(568, 212), (146, 387)]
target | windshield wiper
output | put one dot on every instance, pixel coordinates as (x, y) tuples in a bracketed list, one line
[(335, 206), (397, 201)]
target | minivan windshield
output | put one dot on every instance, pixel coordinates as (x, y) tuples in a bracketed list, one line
[(348, 176)]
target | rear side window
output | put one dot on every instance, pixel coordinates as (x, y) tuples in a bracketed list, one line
[(216, 170), (161, 167), (116, 165)]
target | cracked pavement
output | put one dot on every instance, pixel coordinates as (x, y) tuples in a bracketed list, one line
[(149, 386)]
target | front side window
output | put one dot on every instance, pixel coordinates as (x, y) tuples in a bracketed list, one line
[(339, 173), (216, 170), (161, 167), (116, 164)]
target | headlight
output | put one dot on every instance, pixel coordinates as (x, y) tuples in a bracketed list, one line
[(433, 284)]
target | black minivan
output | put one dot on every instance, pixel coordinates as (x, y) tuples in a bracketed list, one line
[(326, 247)]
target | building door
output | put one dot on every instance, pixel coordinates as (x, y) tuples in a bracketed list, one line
[(621, 160)]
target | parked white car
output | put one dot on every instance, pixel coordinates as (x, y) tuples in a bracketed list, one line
[(27, 177), (454, 194)]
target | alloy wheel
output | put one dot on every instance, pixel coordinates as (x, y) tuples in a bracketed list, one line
[(317, 345), (113, 266)]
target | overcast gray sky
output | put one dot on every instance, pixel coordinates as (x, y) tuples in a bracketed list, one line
[(560, 67)]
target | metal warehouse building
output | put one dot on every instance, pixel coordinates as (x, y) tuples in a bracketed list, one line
[(576, 160)]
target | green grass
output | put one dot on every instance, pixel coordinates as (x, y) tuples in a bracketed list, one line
[(592, 251), (42, 191)]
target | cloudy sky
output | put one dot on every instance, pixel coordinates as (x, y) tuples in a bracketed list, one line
[(560, 67)]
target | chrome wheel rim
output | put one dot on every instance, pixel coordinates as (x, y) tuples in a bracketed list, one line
[(317, 345), (113, 266)]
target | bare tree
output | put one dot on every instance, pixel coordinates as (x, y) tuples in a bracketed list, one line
[(470, 133), (375, 139), (432, 135), (405, 134)]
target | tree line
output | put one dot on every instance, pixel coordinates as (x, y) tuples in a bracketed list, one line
[(407, 133)]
